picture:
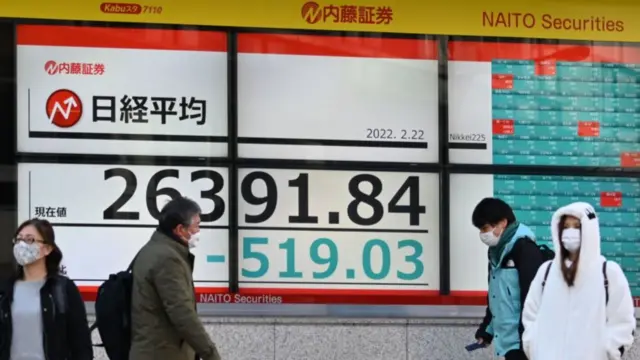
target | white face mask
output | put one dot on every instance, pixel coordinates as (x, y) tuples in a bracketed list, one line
[(489, 238), (193, 240), (571, 239), (26, 254)]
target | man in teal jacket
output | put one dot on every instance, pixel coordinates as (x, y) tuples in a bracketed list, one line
[(514, 259)]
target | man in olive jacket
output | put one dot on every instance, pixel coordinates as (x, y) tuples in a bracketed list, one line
[(164, 321)]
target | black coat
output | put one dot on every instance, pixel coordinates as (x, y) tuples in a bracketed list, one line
[(66, 334)]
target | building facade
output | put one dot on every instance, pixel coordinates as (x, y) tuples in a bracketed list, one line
[(337, 150)]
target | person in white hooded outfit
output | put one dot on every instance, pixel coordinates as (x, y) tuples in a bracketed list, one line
[(579, 306)]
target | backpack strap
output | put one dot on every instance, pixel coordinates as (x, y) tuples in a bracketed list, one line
[(130, 267), (606, 281), (60, 294), (604, 272), (546, 275)]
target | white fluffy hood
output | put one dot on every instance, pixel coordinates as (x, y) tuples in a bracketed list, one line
[(590, 231)]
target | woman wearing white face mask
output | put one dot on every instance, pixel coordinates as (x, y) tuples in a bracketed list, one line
[(579, 306), (42, 315)]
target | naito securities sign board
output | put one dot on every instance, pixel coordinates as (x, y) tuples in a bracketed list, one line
[(592, 21)]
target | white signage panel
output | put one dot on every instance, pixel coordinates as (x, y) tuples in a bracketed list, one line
[(103, 214), (92, 253), (468, 255), (324, 229), (91, 90), (337, 98)]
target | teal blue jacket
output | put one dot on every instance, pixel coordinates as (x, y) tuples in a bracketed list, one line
[(509, 281)]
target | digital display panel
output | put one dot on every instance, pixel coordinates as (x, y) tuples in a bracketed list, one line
[(311, 97), (347, 233), (538, 104)]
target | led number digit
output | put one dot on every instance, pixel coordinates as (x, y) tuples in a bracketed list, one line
[(131, 183), (384, 254), (249, 253), (113, 211), (289, 246), (369, 199), (303, 217), (413, 258), (153, 192), (414, 209), (270, 200), (330, 260)]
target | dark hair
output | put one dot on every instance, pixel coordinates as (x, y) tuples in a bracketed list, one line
[(44, 229), (178, 211), (491, 211), (568, 272)]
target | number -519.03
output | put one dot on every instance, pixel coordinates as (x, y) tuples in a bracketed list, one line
[(373, 259)]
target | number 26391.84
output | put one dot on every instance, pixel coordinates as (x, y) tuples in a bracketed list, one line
[(377, 258)]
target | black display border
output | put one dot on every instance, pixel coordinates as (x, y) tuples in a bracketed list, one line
[(443, 167)]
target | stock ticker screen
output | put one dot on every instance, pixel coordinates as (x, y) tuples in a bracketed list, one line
[(566, 113), (617, 200)]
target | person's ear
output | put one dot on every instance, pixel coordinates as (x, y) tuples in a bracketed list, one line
[(180, 230)]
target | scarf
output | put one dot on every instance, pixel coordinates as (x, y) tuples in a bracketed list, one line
[(496, 251)]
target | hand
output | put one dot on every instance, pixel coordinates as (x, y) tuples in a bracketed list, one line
[(480, 341)]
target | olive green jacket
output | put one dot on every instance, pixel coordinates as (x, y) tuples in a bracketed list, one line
[(164, 321)]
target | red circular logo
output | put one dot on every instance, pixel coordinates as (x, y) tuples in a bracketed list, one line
[(311, 12), (64, 108), (51, 67)]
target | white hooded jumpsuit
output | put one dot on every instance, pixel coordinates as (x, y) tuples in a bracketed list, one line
[(576, 323)]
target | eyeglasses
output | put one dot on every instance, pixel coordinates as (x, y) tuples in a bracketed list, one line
[(28, 240)]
